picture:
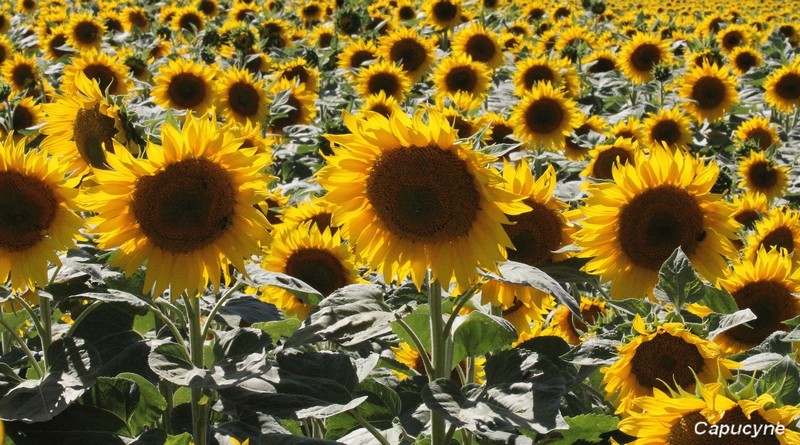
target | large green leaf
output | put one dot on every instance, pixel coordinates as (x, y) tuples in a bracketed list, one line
[(526, 275), (258, 277), (677, 281), (586, 428), (481, 334)]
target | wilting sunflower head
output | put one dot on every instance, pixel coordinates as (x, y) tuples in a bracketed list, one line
[(767, 286), (545, 116), (183, 84), (84, 32), (459, 74), (641, 54), (710, 92), (300, 108), (669, 127), (319, 259), (411, 199), (108, 71), (563, 323), (20, 72), (189, 209), (779, 228), (36, 217), (665, 357), (408, 49), (663, 202), (603, 158), (757, 130), (761, 175), (382, 104), (783, 88), (480, 43), (240, 97), (677, 419), (383, 77), (743, 59)]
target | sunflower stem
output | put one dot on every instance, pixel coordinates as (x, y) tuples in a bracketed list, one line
[(374, 431), (196, 346), (218, 305), (37, 323), (438, 353), (47, 327), (426, 362), (13, 333)]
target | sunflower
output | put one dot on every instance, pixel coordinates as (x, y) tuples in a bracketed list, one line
[(299, 70), (678, 419), (767, 285), (658, 358), (6, 49), (481, 44), (743, 59), (240, 97), (759, 131), (311, 12), (761, 175), (20, 72), (627, 129), (301, 101), (5, 20), (188, 209), (405, 11), (534, 70), (382, 104), (112, 21), (316, 212), (188, 19), (789, 32), (783, 88), (442, 14), (735, 36), (411, 199), (322, 36), (711, 91), (408, 49), (252, 136), (26, 114), (356, 53), (668, 126), (500, 130), (562, 322), (601, 61), (634, 224), (209, 8), (535, 234), (109, 71), (572, 149), (135, 18), (319, 259), (749, 208), (52, 44), (84, 32), (383, 77), (409, 356), (641, 54), (545, 116), (779, 228), (185, 85), (275, 33), (36, 217), (459, 74), (26, 6), (603, 158), (574, 35)]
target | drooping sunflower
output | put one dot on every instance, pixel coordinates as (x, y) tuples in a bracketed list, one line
[(301, 102), (603, 158), (758, 130), (319, 259), (641, 54), (535, 234), (26, 114), (743, 59), (459, 74), (188, 19), (408, 49), (762, 175), (185, 85), (382, 104), (678, 419), (84, 32), (299, 70), (779, 228), (383, 77), (357, 52), (634, 224), (411, 199), (240, 97), (36, 217), (442, 14), (573, 150), (563, 323), (668, 126), (135, 18), (767, 286), (749, 208), (52, 44), (109, 71), (668, 355), (712, 91), (480, 43), (783, 87), (545, 116), (20, 72), (189, 209)]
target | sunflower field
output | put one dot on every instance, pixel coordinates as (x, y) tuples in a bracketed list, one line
[(399, 222)]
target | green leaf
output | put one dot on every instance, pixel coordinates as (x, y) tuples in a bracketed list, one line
[(586, 428), (182, 439), (151, 403), (677, 281), (718, 300), (594, 352), (171, 362), (383, 403), (136, 304), (258, 277), (419, 322), (278, 329), (721, 323), (481, 334), (526, 275), (782, 381), (115, 396)]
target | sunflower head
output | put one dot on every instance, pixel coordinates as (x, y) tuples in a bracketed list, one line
[(759, 131), (783, 88), (563, 323), (185, 85), (573, 150), (384, 77), (299, 108), (241, 98), (459, 74), (641, 54), (743, 59), (443, 14), (761, 175), (382, 104), (84, 32), (604, 158), (779, 228), (479, 43), (711, 91), (408, 49), (108, 71), (667, 127), (545, 116), (749, 208), (20, 72)]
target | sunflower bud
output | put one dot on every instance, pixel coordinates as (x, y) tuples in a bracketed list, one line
[(348, 22), (662, 72), (208, 55), (242, 38), (5, 91), (598, 8), (211, 38)]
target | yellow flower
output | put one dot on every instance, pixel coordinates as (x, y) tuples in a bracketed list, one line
[(185, 85), (712, 91), (459, 74), (84, 32), (641, 54), (301, 101), (760, 175), (758, 130), (545, 116), (479, 43), (240, 97), (383, 77), (569, 327), (603, 158), (667, 126), (109, 71), (408, 49), (779, 228), (783, 88)]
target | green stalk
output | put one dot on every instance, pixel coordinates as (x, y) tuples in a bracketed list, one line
[(438, 353), (25, 349), (219, 304), (196, 344), (37, 323)]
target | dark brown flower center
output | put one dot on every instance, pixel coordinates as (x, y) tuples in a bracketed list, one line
[(781, 238), (383, 81), (771, 302), (544, 116), (732, 39), (93, 134), (604, 164), (23, 76), (28, 208), (292, 116), (444, 11), (745, 61), (191, 22), (406, 13), (645, 57), (603, 65), (186, 90), (55, 43), (788, 86), (461, 78), (409, 54), (22, 118), (298, 72), (534, 234), (763, 176), (87, 33), (481, 48), (746, 217), (666, 130), (709, 92), (760, 136), (318, 268), (360, 57), (538, 73), (666, 360), (500, 134), (104, 76), (185, 207), (243, 99)]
